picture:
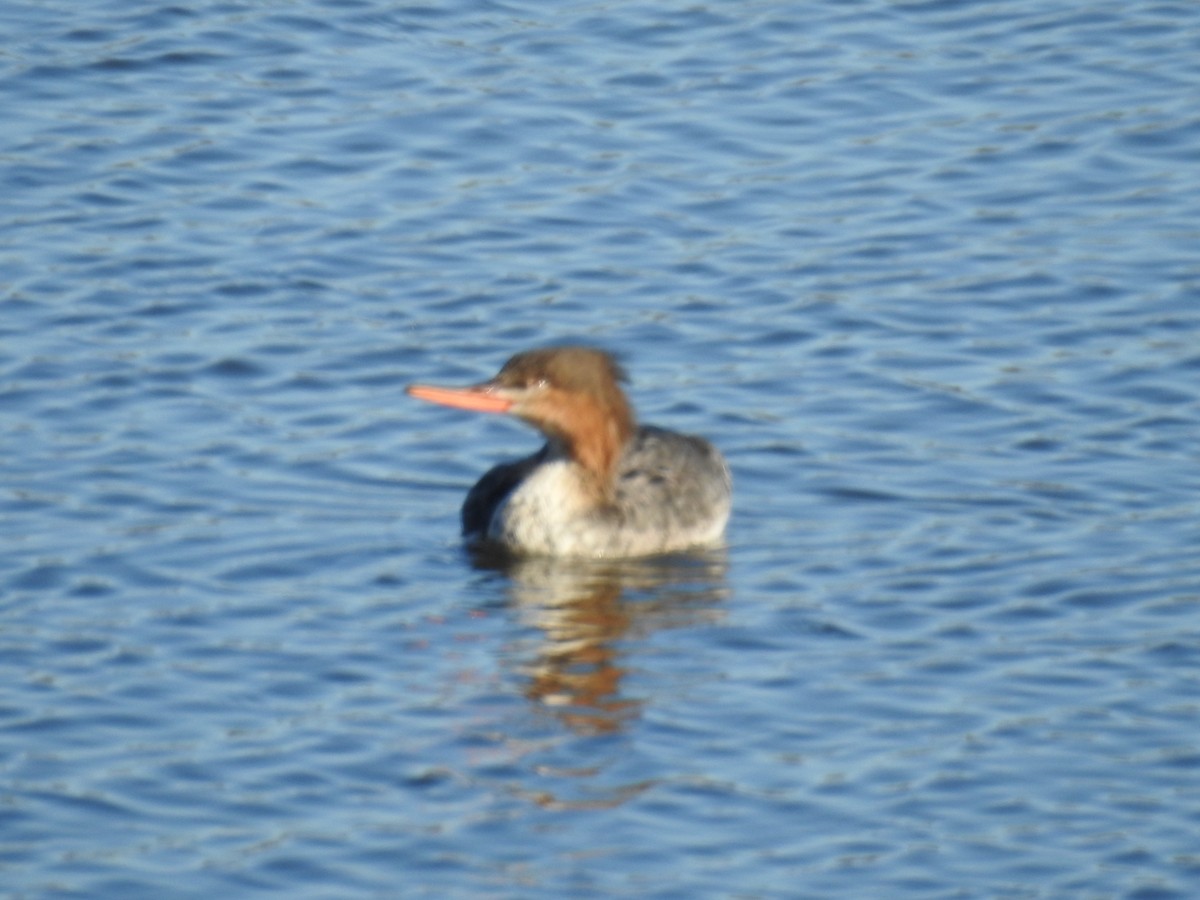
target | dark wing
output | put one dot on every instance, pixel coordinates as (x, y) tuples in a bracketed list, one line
[(489, 492)]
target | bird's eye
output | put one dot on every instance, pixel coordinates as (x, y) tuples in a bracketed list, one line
[(539, 383)]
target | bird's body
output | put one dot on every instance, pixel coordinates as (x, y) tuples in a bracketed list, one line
[(601, 486)]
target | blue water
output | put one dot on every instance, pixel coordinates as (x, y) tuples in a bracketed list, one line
[(928, 273)]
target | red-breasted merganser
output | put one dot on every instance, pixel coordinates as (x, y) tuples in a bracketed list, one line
[(601, 486)]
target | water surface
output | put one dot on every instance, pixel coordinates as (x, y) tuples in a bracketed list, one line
[(926, 272)]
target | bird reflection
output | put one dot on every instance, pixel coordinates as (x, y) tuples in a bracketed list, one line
[(584, 609)]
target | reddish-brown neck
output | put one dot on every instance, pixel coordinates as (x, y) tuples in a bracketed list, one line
[(592, 428)]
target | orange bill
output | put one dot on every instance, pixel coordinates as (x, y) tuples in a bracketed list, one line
[(476, 399)]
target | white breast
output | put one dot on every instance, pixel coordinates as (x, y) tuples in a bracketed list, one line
[(543, 514)]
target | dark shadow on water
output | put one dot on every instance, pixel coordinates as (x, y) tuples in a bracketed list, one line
[(587, 611)]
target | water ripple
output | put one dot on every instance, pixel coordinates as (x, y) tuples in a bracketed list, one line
[(925, 271)]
